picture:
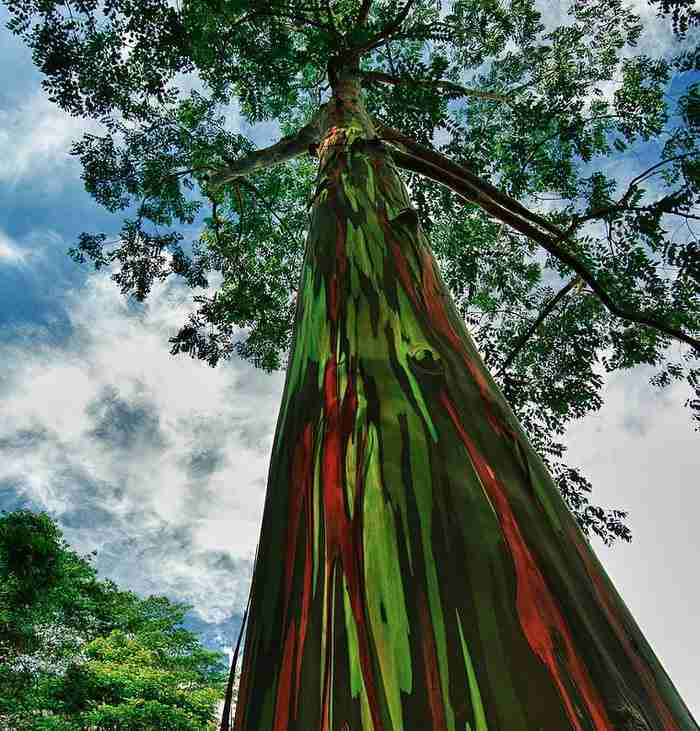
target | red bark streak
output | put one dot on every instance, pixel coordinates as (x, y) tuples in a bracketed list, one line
[(308, 561), (299, 485), (641, 667), (401, 266), (242, 700), (341, 258), (343, 538), (435, 306), (305, 601), (284, 683), (333, 497), (328, 664), (432, 303), (432, 673), (537, 608)]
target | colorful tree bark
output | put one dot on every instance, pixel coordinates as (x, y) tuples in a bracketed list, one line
[(417, 567)]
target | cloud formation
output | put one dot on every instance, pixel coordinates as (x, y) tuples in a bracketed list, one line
[(35, 138), (10, 253), (158, 462)]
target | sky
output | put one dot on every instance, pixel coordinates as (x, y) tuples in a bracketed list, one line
[(159, 462)]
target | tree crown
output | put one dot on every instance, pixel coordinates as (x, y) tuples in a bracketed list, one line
[(509, 132)]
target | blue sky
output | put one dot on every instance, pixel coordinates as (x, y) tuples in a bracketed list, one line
[(159, 462)]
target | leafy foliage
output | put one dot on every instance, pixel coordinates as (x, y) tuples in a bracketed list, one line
[(684, 14), (549, 116), (87, 653)]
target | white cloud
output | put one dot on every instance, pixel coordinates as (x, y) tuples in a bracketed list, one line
[(104, 433), (10, 253), (31, 250), (34, 141)]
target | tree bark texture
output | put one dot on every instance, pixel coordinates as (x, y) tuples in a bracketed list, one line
[(417, 568)]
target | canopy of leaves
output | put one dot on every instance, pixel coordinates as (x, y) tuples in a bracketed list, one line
[(78, 652), (684, 14), (567, 120)]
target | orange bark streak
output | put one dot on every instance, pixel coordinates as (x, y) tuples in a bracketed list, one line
[(537, 608), (432, 302)]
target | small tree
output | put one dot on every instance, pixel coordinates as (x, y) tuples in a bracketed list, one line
[(79, 653)]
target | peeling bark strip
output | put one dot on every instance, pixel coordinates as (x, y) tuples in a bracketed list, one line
[(417, 567)]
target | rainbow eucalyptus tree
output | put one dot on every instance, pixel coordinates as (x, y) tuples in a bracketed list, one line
[(423, 560)]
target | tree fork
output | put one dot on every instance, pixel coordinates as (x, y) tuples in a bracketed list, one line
[(417, 567)]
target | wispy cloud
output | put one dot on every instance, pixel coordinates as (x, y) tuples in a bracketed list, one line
[(157, 462), (10, 253), (34, 141)]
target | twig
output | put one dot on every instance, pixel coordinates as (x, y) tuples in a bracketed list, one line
[(449, 86), (551, 305), (268, 207), (562, 131), (632, 187)]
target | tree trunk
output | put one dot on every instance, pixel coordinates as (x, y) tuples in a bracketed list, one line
[(417, 568)]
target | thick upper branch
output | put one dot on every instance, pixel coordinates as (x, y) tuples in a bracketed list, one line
[(472, 187), (469, 187), (285, 149), (363, 13)]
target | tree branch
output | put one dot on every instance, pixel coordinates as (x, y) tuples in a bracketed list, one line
[(621, 205), (506, 209), (550, 306), (387, 31), (363, 13), (270, 208), (297, 19), (689, 216), (477, 190), (449, 86), (387, 45), (285, 149)]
